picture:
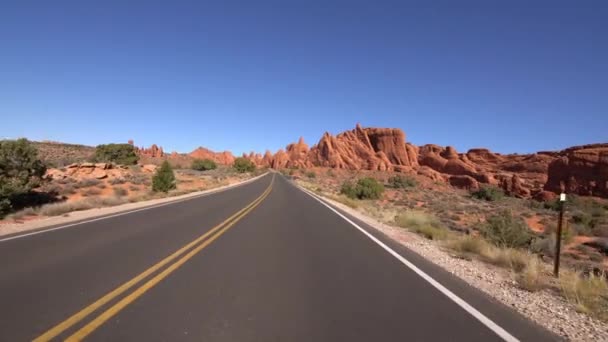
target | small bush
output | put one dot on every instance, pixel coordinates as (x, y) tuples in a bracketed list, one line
[(56, 209), (488, 193), (402, 182), (116, 153), (85, 183), (505, 230), (469, 244), (510, 258), (67, 189), (118, 191), (20, 172), (331, 173), (589, 294), (91, 192), (243, 165), (164, 179), (365, 188), (544, 246), (203, 165), (117, 181), (422, 223), (311, 174), (531, 278)]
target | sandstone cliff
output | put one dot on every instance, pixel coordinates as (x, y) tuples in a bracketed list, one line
[(582, 170)]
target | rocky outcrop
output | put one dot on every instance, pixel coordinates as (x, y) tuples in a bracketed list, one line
[(153, 151), (224, 158), (581, 170)]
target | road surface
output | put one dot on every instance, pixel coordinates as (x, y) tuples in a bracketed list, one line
[(263, 261)]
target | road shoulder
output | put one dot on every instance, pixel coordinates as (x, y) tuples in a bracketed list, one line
[(15, 230)]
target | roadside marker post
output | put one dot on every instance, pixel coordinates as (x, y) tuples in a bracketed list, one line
[(558, 237)]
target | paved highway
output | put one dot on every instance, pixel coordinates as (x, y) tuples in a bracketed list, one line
[(263, 261)]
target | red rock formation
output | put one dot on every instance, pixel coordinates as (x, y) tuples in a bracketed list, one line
[(152, 152), (224, 158), (580, 170)]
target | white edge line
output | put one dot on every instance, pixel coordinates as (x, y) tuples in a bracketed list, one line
[(211, 192), (498, 330)]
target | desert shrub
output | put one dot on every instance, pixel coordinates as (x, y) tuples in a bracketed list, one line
[(56, 209), (20, 172), (422, 223), (488, 193), (505, 230), (203, 165), (67, 189), (311, 174), (552, 205), (531, 278), (468, 244), (164, 179), (588, 293), (243, 165), (117, 181), (544, 245), (510, 258), (133, 188), (91, 192), (85, 183), (138, 179), (402, 182), (118, 191), (331, 173), (568, 232), (116, 153), (365, 188)]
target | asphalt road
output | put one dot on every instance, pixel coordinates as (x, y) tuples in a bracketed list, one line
[(260, 262)]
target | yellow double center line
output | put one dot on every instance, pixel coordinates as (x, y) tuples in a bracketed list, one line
[(194, 247)]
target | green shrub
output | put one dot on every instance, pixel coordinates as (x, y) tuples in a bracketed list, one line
[(116, 153), (505, 230), (488, 193), (203, 165), (20, 172), (365, 188), (401, 182), (243, 165), (164, 179), (311, 174)]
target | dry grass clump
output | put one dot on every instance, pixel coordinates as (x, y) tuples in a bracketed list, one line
[(85, 183), (91, 192), (589, 294), (118, 191), (345, 200), (422, 223), (532, 277), (56, 209), (526, 266)]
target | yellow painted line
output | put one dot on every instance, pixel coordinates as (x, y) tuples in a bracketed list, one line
[(116, 308), (77, 317)]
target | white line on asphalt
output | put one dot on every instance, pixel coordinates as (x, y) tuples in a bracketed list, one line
[(134, 210), (498, 330)]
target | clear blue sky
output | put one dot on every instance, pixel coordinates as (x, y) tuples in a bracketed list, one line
[(514, 76)]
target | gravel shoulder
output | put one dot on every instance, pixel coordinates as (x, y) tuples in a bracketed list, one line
[(543, 307), (91, 214)]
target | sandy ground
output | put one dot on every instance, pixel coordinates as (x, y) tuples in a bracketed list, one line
[(12, 228)]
